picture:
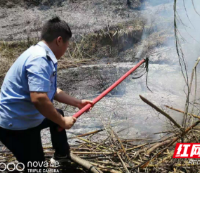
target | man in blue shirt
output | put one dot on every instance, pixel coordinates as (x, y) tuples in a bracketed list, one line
[(27, 94)]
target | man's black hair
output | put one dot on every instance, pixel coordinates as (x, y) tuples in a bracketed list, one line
[(54, 28)]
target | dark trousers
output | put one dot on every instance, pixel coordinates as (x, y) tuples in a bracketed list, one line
[(26, 145)]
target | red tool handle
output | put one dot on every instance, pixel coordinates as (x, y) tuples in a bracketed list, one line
[(103, 94)]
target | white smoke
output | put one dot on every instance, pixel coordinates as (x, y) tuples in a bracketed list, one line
[(160, 19), (188, 13)]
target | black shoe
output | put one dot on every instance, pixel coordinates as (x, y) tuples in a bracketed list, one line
[(60, 159)]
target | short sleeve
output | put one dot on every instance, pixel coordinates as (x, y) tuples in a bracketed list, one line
[(39, 73)]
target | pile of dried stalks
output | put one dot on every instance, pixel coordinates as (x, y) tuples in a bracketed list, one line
[(117, 155)]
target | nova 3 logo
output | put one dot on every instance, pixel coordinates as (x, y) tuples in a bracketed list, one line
[(32, 166), (12, 167)]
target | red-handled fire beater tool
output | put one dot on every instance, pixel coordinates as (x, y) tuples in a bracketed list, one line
[(103, 94)]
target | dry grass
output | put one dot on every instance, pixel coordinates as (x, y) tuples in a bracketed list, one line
[(117, 155), (103, 43), (10, 51)]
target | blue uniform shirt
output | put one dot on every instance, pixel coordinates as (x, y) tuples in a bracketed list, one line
[(35, 70)]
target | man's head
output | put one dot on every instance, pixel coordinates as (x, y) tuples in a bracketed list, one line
[(56, 33)]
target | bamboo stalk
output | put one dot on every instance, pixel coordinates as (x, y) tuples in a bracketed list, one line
[(106, 153), (84, 163), (91, 143), (149, 151), (86, 134), (136, 147), (161, 111), (111, 171), (124, 150), (195, 116), (124, 165)]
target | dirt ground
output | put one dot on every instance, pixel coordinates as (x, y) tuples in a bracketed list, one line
[(24, 19)]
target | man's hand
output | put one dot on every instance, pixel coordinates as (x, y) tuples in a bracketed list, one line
[(83, 103), (62, 97), (68, 122)]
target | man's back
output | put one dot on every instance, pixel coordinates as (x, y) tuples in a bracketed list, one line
[(34, 70)]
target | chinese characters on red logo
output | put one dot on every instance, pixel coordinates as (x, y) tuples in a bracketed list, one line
[(187, 150)]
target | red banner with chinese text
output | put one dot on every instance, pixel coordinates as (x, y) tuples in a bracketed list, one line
[(187, 150)]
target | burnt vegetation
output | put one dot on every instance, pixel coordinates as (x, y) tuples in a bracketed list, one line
[(112, 42)]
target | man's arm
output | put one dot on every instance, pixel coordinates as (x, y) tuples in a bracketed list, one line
[(63, 97), (46, 108), (38, 74)]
